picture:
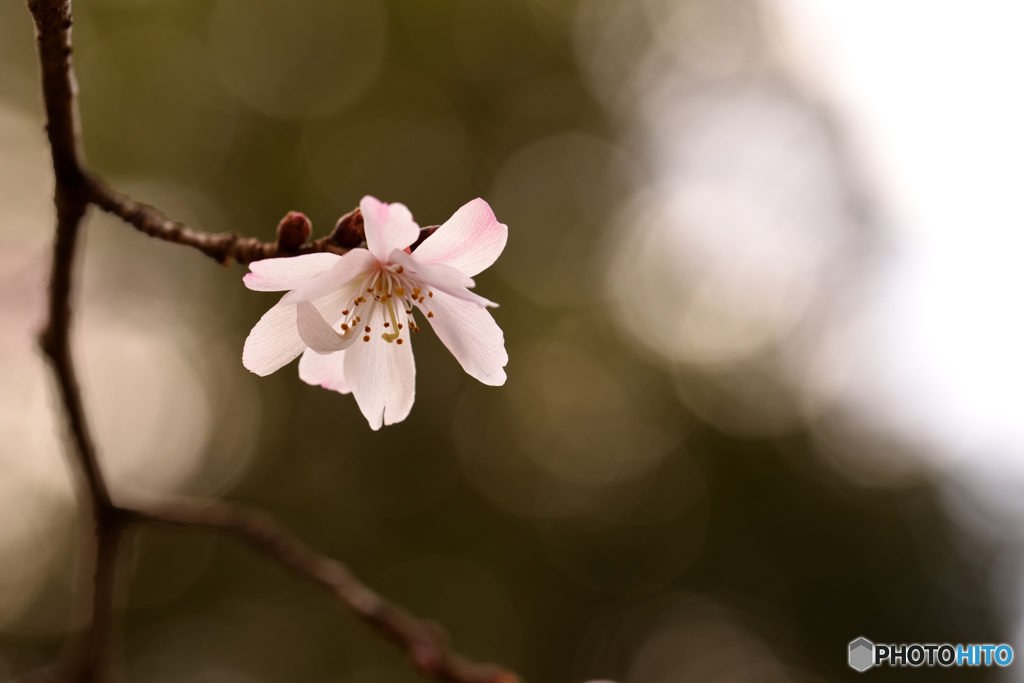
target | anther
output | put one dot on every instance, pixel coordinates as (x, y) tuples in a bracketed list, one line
[(367, 328), (366, 338), (430, 314), (344, 312), (400, 269), (399, 341), (400, 291), (430, 294), (416, 292), (387, 324), (344, 327), (399, 325)]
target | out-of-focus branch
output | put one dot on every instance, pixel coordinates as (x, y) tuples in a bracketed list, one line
[(425, 643), (84, 660)]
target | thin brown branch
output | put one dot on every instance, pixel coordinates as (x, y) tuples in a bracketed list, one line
[(75, 189), (425, 643), (87, 658), (226, 246), (53, 37), (60, 90), (222, 247), (55, 338)]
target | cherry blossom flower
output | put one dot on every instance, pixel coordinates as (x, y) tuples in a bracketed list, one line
[(351, 316)]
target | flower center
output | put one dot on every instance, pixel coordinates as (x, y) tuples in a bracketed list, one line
[(385, 295)]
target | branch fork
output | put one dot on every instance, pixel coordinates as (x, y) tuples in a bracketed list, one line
[(85, 659)]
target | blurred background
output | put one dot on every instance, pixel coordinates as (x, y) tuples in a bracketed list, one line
[(762, 298)]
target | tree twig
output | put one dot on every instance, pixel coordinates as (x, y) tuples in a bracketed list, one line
[(53, 37), (85, 659), (222, 247), (425, 643)]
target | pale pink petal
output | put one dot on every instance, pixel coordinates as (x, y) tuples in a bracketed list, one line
[(388, 227), (471, 334), (441, 274), (327, 371), (440, 278), (469, 241), (348, 267), (383, 379), (274, 341), (317, 334), (279, 274)]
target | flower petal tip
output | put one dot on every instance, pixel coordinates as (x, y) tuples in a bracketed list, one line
[(248, 364), (495, 379)]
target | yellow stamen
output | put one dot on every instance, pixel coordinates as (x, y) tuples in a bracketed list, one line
[(391, 336)]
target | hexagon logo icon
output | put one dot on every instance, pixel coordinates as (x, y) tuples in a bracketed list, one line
[(862, 654)]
